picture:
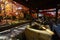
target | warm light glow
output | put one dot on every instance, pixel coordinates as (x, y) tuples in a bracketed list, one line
[(8, 8), (6, 2), (12, 9), (0, 0), (19, 8), (16, 13)]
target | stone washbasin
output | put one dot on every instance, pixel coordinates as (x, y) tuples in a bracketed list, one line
[(34, 34)]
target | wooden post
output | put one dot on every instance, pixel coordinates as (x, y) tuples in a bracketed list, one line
[(30, 14), (0, 7), (37, 13), (56, 18), (0, 11)]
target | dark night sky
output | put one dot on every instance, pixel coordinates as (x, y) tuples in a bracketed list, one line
[(40, 4)]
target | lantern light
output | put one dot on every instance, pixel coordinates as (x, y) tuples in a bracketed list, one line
[(19, 8), (16, 13), (40, 14)]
